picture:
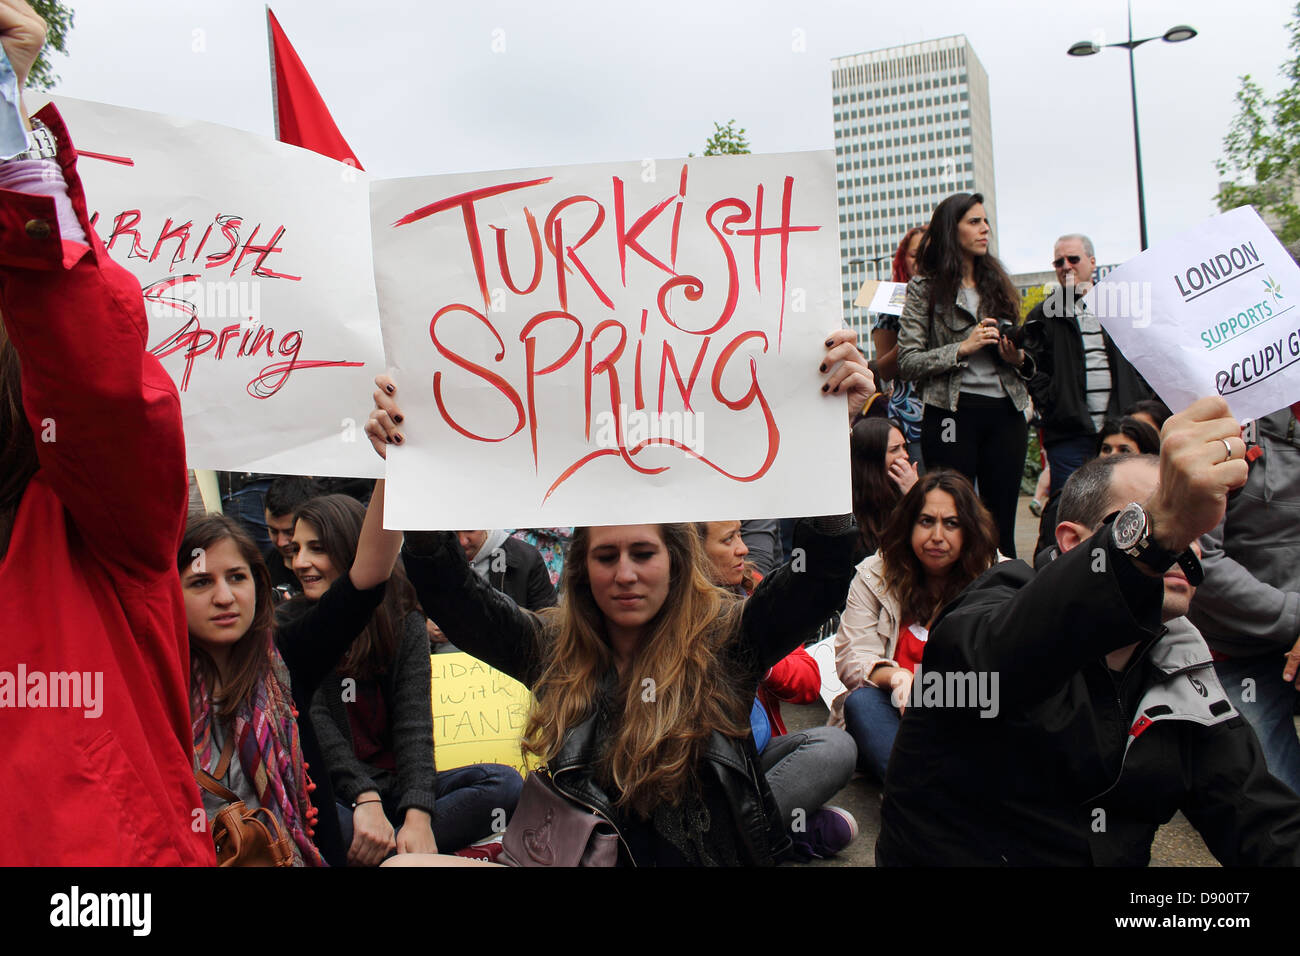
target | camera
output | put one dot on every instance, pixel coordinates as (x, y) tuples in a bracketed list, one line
[(1014, 332)]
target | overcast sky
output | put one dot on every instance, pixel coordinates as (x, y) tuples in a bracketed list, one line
[(436, 87)]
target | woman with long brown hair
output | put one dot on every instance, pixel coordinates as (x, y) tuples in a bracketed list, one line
[(882, 474), (252, 677), (973, 379), (644, 676), (939, 540), (374, 717)]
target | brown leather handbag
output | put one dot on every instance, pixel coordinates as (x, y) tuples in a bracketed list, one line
[(243, 837), (548, 829)]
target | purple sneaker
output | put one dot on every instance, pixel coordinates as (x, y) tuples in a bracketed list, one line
[(828, 831)]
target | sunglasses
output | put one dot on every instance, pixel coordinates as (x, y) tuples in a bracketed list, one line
[(1074, 261)]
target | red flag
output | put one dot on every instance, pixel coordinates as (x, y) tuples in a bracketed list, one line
[(301, 118)]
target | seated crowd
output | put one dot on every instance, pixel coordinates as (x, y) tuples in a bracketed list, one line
[(1004, 710)]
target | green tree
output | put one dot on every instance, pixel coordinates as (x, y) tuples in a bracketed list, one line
[(1263, 145), (58, 23), (726, 140)]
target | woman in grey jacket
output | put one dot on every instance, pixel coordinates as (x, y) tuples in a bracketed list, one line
[(972, 377)]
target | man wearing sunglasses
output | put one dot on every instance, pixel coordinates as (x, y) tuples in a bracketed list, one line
[(1081, 379)]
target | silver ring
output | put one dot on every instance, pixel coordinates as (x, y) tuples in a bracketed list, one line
[(1228, 447)]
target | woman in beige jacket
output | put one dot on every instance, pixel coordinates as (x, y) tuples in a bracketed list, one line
[(939, 539)]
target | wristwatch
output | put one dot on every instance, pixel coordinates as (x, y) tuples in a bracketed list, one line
[(1132, 533), (41, 144)]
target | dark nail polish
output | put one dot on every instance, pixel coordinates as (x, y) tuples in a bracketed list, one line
[(826, 388), (388, 389), (398, 439), (828, 343), (836, 389), (822, 368), (398, 419)]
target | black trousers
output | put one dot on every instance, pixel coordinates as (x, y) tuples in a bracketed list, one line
[(985, 440)]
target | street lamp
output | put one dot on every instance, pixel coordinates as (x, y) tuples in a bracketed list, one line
[(1175, 34)]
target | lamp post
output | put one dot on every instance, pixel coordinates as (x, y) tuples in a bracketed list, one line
[(1175, 34)]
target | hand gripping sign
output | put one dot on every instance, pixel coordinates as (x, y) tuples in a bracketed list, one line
[(1211, 311), (611, 343)]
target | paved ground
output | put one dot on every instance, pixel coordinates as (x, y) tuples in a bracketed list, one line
[(1176, 844)]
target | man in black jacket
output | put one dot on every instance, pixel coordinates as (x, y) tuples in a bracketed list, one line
[(1081, 379), (1110, 717)]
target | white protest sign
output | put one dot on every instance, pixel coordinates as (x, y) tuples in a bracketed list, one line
[(254, 257), (1211, 311), (613, 343), (823, 652), (888, 298)]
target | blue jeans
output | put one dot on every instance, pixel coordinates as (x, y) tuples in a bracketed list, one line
[(872, 720), (1269, 713), (467, 801), (806, 768), (1065, 457), (248, 507)]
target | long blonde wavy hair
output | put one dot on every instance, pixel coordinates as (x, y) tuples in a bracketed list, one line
[(660, 729)]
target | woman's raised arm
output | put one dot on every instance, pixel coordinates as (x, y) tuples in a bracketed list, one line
[(377, 549)]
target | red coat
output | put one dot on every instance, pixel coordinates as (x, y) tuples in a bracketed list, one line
[(794, 679), (89, 583)]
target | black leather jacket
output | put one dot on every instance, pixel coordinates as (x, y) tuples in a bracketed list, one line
[(787, 608)]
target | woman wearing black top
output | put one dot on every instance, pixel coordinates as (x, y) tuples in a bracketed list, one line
[(644, 676)]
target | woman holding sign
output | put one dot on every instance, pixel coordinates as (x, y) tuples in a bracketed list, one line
[(373, 712), (953, 341), (97, 766), (644, 676)]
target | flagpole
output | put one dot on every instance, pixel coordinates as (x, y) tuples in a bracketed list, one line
[(275, 93)]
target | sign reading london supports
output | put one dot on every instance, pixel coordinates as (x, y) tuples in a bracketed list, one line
[(1212, 311), (612, 343), (255, 262), (478, 713)]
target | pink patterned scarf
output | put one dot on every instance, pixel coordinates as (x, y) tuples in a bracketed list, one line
[(270, 753)]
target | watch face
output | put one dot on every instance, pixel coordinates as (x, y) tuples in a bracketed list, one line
[(1129, 526)]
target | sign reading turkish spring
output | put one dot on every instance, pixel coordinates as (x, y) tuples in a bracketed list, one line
[(255, 262), (611, 343), (1212, 311), (478, 713)]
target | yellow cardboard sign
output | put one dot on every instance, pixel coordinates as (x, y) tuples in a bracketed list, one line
[(478, 714)]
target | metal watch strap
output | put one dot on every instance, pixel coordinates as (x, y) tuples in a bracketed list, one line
[(41, 144)]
